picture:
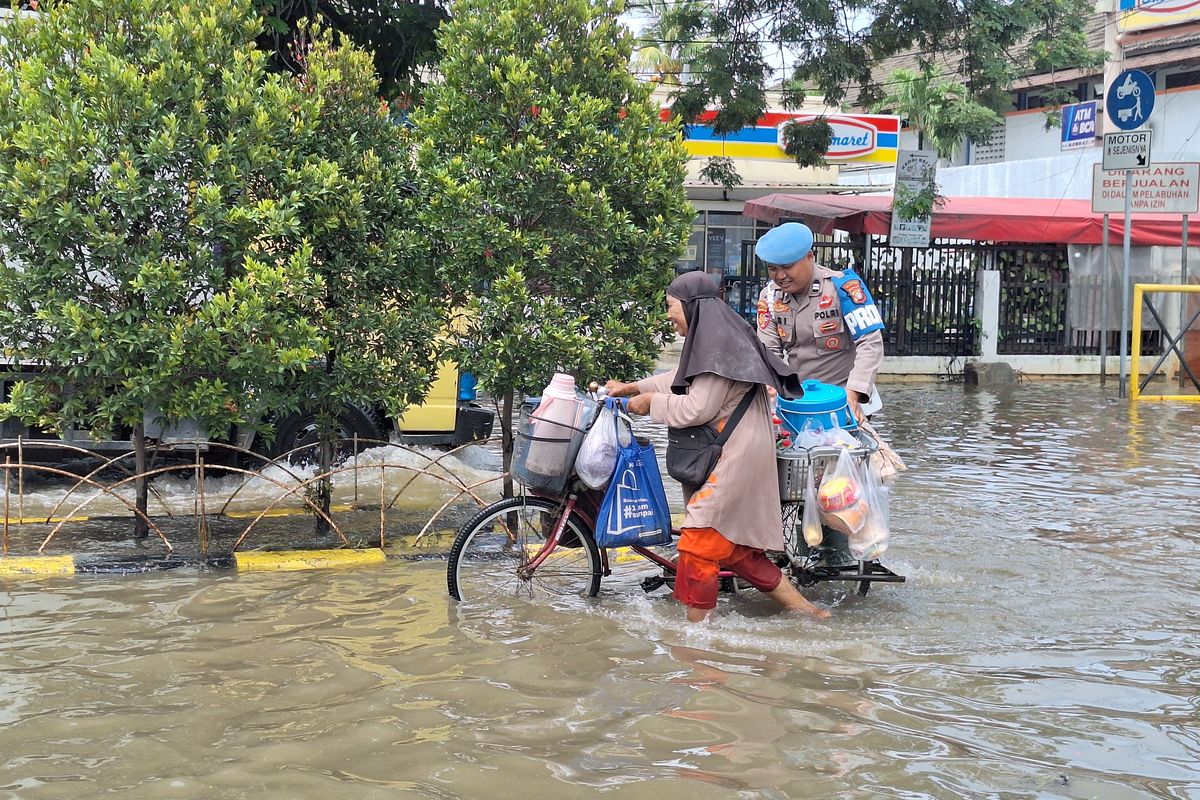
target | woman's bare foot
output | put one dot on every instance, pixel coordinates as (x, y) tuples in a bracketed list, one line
[(792, 601)]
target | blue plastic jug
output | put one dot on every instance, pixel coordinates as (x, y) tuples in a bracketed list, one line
[(823, 403)]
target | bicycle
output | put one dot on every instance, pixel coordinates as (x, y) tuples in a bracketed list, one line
[(541, 544)]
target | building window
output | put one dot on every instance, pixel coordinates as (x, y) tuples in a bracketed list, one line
[(1178, 79), (716, 242)]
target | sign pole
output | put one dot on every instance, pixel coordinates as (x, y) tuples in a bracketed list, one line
[(1183, 298), (1104, 270), (1125, 290)]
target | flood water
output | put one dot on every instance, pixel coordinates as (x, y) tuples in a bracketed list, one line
[(1046, 644)]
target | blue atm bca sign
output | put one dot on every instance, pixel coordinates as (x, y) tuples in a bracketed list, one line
[(1079, 124)]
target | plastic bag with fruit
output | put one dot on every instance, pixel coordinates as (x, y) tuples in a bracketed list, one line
[(810, 521), (840, 497)]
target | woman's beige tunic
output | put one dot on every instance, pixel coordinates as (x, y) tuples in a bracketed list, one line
[(741, 497)]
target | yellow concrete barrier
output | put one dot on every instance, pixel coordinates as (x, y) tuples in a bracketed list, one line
[(37, 565), (336, 508), (290, 560)]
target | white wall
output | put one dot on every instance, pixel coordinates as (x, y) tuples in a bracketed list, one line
[(1175, 122)]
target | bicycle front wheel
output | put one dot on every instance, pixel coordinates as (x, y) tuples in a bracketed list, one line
[(492, 552)]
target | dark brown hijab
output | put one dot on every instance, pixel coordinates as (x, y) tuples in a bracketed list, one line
[(721, 342)]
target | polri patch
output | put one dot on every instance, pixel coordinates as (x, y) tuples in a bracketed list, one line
[(855, 291), (764, 315)]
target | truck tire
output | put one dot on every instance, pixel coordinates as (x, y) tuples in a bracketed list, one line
[(300, 430)]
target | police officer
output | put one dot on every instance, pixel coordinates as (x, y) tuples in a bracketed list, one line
[(821, 321)]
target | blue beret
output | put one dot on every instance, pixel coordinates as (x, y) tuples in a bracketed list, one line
[(785, 244)]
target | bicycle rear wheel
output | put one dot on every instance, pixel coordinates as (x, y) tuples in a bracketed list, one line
[(492, 550)]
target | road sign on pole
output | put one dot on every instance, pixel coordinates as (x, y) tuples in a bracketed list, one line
[(1126, 150), (1128, 104), (915, 171), (1130, 100), (1171, 187)]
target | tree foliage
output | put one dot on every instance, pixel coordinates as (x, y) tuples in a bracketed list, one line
[(664, 53), (553, 193), (832, 50), (399, 34), (943, 111), (153, 254), (184, 232), (379, 308)]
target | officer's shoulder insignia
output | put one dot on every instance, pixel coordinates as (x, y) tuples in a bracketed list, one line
[(815, 289), (854, 290)]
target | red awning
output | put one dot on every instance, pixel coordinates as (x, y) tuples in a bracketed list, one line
[(984, 219)]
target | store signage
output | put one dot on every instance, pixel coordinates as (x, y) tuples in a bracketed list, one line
[(852, 138), (857, 138), (1167, 188), (1079, 124), (1139, 15)]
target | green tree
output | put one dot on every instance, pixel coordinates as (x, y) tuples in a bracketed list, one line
[(942, 111), (399, 34), (833, 49), (552, 192), (169, 213), (665, 54), (379, 310)]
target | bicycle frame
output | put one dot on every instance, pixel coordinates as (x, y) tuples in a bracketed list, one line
[(572, 506)]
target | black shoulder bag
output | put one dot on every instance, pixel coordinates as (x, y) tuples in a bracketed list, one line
[(692, 452)]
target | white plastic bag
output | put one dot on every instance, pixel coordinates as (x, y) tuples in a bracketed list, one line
[(812, 434), (840, 497), (810, 524), (871, 541), (597, 456)]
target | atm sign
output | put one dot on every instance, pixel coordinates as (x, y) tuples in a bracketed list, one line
[(1079, 124)]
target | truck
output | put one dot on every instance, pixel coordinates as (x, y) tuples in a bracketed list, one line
[(450, 416)]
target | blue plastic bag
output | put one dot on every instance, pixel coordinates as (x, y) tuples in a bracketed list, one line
[(635, 508)]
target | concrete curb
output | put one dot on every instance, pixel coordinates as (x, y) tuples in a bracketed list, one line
[(247, 561)]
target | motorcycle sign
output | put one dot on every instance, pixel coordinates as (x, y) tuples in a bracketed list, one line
[(1130, 99)]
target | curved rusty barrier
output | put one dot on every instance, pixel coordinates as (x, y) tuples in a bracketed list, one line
[(288, 483)]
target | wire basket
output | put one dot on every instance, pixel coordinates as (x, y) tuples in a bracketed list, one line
[(794, 465), (545, 451), (793, 474)]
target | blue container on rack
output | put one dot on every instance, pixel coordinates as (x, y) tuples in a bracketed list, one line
[(823, 403)]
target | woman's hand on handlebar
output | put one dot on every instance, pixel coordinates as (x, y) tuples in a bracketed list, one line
[(638, 404), (618, 389)]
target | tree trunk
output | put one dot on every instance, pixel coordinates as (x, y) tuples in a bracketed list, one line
[(324, 489), (140, 528), (326, 430), (506, 441)]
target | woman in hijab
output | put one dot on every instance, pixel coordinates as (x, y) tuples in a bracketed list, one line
[(734, 516)]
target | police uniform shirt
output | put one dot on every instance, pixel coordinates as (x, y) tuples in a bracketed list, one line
[(831, 333)]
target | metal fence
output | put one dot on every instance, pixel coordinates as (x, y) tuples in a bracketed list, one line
[(927, 297), (1044, 310)]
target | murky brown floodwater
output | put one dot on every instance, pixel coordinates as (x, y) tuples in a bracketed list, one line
[(1047, 644)]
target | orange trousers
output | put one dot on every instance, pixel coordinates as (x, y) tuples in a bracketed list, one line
[(702, 554)]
